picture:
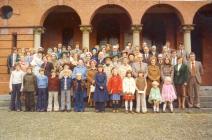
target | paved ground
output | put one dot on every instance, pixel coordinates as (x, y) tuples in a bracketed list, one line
[(104, 126)]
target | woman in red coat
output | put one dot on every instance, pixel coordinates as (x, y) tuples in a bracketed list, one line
[(115, 88)]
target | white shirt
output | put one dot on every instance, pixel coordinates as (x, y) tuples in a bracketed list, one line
[(65, 83), (14, 59), (179, 66), (16, 77), (174, 61)]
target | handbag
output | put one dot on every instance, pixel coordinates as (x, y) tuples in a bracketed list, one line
[(92, 88)]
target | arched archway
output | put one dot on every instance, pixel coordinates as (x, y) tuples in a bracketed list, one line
[(61, 25), (111, 24), (161, 23), (201, 39)]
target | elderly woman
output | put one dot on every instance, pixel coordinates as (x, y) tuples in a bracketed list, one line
[(124, 67), (167, 69), (153, 73)]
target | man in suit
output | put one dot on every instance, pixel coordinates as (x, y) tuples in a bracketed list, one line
[(194, 80), (12, 59), (59, 50), (146, 56), (154, 51), (101, 58), (181, 52), (115, 51), (174, 58), (139, 66)]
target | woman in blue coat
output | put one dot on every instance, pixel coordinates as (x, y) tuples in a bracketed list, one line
[(100, 93)]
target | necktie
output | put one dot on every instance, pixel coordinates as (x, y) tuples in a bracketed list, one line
[(65, 83), (193, 71)]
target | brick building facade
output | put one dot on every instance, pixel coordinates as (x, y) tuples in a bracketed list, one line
[(46, 23)]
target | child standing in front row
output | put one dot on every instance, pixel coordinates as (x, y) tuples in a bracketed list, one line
[(115, 88), (141, 86), (53, 91), (79, 88), (129, 90), (42, 84), (168, 94), (66, 83), (154, 96)]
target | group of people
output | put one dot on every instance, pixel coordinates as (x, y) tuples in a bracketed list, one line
[(66, 76)]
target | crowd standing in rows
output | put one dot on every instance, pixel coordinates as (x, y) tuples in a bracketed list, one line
[(104, 76)]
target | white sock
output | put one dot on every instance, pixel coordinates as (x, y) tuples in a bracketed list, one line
[(171, 106), (157, 108), (126, 105), (164, 107), (154, 108), (131, 105)]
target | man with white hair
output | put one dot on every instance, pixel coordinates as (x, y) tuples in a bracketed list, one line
[(160, 60), (101, 58), (139, 66), (154, 51), (115, 51), (146, 55)]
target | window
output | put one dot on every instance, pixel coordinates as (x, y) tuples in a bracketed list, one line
[(6, 12)]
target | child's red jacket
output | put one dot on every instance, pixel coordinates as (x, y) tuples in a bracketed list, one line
[(115, 85)]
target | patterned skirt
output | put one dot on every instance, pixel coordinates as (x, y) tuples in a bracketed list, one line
[(128, 97)]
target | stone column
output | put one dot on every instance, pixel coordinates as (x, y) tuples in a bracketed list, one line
[(187, 36), (37, 37), (86, 29), (136, 34)]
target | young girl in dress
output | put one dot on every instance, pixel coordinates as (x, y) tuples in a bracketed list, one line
[(154, 96), (115, 88), (129, 90), (168, 94)]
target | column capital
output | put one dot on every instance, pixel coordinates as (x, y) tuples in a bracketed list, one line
[(136, 27), (87, 28), (40, 30), (188, 27)]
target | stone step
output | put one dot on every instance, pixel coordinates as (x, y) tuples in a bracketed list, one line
[(4, 103), (206, 104), (206, 91), (206, 99), (122, 110)]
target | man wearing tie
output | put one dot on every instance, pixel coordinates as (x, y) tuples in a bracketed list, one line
[(12, 59), (146, 55), (174, 58), (139, 66), (194, 80), (181, 52)]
